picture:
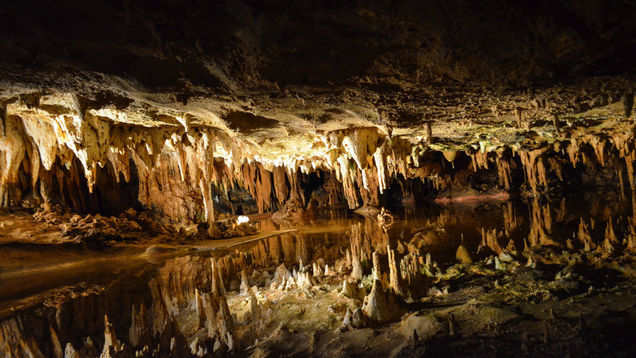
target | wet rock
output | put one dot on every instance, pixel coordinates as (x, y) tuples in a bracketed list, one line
[(359, 319), (69, 351), (304, 280), (317, 270), (469, 319), (112, 346), (463, 256), (382, 306), (234, 285), (395, 279), (505, 257), (352, 290), (245, 286), (367, 211), (425, 326), (281, 278)]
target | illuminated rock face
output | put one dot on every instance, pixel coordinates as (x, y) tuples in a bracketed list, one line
[(121, 97), (57, 150)]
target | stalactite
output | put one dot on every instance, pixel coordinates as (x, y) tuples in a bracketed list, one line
[(480, 160), (183, 162), (534, 168), (573, 152), (281, 187), (12, 152), (263, 189), (503, 170), (598, 144)]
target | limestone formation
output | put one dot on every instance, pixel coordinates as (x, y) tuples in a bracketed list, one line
[(381, 305), (334, 165)]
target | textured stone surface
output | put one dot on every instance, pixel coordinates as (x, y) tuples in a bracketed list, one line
[(310, 103)]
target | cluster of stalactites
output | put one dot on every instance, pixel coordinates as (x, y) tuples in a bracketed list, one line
[(550, 161), (363, 159), (40, 131)]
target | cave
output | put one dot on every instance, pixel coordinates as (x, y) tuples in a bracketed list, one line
[(404, 178)]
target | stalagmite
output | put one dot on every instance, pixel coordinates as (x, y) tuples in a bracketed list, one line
[(283, 279), (69, 351), (317, 270), (111, 344), (346, 322), (380, 305), (351, 290), (377, 273), (244, 283), (462, 255)]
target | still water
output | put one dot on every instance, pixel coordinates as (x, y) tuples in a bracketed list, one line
[(56, 301)]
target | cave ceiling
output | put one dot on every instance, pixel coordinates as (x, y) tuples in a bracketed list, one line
[(285, 82)]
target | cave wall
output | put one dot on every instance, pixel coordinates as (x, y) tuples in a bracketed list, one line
[(55, 152)]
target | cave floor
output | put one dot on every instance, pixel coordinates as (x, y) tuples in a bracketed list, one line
[(502, 278)]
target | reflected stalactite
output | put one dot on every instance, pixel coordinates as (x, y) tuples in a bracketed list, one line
[(584, 236), (541, 225), (490, 240), (199, 305), (395, 278), (511, 218), (358, 254)]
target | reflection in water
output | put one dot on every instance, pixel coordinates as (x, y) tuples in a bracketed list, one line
[(305, 292)]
